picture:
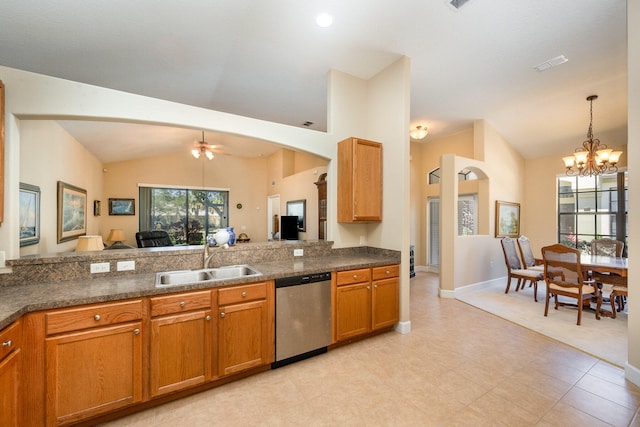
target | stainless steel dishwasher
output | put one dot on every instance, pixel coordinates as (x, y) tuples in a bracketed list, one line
[(303, 317)]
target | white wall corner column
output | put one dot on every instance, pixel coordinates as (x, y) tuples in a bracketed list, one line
[(632, 369)]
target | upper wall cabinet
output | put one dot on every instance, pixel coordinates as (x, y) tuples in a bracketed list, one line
[(359, 181)]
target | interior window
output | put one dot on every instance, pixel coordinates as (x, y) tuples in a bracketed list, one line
[(187, 215)]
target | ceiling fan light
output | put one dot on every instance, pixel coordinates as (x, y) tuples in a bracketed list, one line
[(209, 154), (196, 153)]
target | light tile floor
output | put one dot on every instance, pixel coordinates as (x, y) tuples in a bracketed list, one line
[(460, 366)]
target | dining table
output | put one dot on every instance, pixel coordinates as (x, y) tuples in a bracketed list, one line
[(605, 269)]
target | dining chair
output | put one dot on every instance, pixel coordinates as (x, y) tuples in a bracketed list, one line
[(571, 283), (515, 270), (607, 247), (526, 254), (614, 248)]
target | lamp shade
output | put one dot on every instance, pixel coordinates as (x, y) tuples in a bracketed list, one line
[(116, 235), (89, 243)]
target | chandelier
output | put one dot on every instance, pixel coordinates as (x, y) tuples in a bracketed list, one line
[(593, 158)]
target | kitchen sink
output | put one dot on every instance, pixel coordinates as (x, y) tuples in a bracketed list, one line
[(183, 277)]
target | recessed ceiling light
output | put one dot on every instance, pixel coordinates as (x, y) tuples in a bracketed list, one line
[(324, 20)]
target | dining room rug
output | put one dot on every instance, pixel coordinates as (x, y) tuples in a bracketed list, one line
[(605, 338)]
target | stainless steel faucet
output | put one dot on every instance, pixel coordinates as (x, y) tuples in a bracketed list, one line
[(209, 253)]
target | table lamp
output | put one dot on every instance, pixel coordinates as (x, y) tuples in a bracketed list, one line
[(117, 237), (89, 243)]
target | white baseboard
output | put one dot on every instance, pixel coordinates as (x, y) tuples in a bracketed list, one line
[(403, 327), (632, 374), (446, 293)]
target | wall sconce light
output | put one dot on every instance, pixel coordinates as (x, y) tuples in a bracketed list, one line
[(419, 132)]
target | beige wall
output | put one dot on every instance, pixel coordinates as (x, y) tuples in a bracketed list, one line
[(49, 154)]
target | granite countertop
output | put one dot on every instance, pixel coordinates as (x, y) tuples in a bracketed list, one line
[(16, 301)]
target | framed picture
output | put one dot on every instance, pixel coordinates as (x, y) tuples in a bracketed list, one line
[(97, 207), (72, 212), (122, 207), (29, 214), (298, 208), (507, 219)]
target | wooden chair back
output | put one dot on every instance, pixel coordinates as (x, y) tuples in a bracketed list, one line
[(607, 247)]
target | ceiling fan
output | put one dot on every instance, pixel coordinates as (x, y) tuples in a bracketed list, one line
[(202, 147)]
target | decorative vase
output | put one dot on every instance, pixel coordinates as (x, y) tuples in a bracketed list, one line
[(211, 240), (232, 235), (222, 237)]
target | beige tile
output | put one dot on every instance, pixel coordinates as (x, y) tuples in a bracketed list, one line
[(598, 407), (628, 397), (563, 415)]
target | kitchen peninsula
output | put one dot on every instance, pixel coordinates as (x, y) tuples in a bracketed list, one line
[(66, 313)]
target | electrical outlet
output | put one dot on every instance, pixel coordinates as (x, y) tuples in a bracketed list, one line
[(100, 267), (126, 265), (298, 252)]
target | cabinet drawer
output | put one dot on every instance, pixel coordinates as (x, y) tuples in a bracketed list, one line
[(171, 304), (91, 316), (242, 293), (385, 272), (10, 339), (353, 276)]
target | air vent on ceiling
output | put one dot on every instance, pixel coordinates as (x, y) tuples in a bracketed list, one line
[(551, 63), (307, 123), (458, 3)]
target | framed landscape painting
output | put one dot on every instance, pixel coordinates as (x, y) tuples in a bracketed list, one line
[(122, 207), (72, 212), (507, 219)]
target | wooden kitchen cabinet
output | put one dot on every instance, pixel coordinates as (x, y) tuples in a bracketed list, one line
[(366, 300), (385, 298), (181, 341), (245, 327), (10, 381), (94, 360), (359, 181), (353, 303)]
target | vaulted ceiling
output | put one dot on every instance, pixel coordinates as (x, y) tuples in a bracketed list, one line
[(269, 60)]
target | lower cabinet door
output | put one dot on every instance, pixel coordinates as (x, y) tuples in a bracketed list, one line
[(353, 310), (243, 337), (10, 390), (92, 372), (180, 351), (385, 303)]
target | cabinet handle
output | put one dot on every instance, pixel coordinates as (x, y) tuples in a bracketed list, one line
[(207, 318), (387, 272), (221, 314), (96, 317), (182, 304), (7, 343), (244, 294), (375, 286), (368, 287), (355, 276), (136, 331)]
